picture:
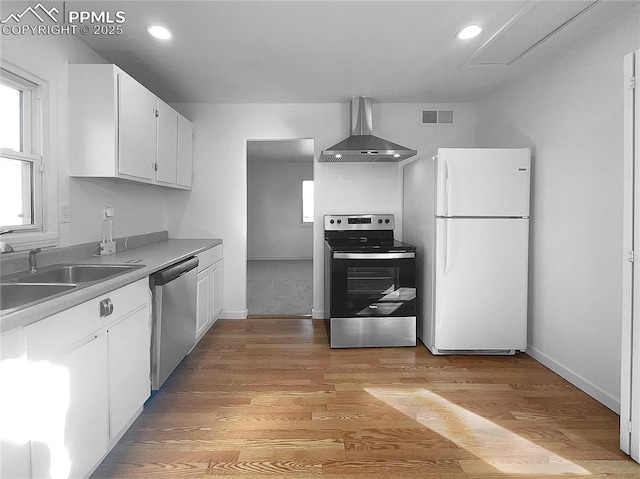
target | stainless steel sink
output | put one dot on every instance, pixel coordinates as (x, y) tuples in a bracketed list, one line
[(23, 289), (14, 295), (73, 273)]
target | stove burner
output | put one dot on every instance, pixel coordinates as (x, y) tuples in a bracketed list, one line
[(354, 235)]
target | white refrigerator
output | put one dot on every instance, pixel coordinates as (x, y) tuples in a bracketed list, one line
[(467, 212)]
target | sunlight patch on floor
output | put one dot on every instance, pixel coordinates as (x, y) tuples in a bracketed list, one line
[(495, 445)]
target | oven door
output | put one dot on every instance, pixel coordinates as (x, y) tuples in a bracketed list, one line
[(372, 285)]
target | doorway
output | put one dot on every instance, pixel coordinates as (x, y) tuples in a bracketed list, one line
[(280, 227), (630, 352)]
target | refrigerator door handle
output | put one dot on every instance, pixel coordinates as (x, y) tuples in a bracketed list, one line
[(446, 187), (441, 196), (446, 247)]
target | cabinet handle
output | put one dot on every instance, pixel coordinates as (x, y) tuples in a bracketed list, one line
[(106, 307)]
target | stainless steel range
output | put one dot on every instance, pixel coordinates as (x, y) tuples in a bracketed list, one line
[(370, 283)]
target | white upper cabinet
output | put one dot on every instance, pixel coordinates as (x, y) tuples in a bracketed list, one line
[(167, 157), (136, 128), (119, 129), (185, 151)]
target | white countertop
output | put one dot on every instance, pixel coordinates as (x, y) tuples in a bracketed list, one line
[(154, 256)]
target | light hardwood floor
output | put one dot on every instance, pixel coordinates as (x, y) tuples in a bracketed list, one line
[(269, 398)]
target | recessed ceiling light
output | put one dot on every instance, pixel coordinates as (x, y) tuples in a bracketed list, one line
[(469, 32), (159, 32)]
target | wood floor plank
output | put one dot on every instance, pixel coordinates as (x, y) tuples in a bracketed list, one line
[(267, 398)]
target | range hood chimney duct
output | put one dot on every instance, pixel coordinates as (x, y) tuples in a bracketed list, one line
[(362, 146)]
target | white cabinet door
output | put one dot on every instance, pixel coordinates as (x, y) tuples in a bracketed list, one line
[(116, 133), (483, 181), (216, 294), (203, 302), (15, 450), (136, 129), (167, 144), (481, 284), (185, 151), (129, 368), (84, 427)]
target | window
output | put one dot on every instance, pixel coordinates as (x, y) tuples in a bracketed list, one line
[(20, 154), (307, 201)]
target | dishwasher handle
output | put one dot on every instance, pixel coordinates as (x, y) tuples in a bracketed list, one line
[(172, 272)]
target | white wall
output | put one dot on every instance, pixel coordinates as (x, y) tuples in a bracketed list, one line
[(570, 113), (217, 205), (274, 210), (139, 209)]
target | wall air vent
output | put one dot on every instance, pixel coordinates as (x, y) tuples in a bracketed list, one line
[(436, 117)]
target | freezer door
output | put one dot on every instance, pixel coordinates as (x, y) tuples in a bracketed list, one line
[(483, 182), (481, 284)]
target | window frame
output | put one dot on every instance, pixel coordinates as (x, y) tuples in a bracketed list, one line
[(23, 85), (304, 223), (36, 149)]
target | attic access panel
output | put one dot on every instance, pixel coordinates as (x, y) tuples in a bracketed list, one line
[(530, 27)]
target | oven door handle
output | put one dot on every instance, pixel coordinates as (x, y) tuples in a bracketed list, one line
[(397, 255)]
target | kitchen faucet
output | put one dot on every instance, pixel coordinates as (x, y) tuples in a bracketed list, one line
[(32, 259), (4, 246)]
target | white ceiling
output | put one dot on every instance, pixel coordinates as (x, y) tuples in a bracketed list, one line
[(328, 51)]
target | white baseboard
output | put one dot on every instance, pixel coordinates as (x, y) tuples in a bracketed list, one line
[(317, 314), (578, 381), (298, 258), (234, 314)]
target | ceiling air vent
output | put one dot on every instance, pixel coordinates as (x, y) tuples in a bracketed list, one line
[(437, 117)]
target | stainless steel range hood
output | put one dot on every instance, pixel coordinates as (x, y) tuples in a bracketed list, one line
[(362, 145)]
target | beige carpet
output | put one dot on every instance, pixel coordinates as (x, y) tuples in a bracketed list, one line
[(280, 287)]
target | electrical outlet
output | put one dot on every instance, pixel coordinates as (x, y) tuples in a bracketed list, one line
[(65, 213), (108, 212), (108, 247)]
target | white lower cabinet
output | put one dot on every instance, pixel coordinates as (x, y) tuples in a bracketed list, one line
[(74, 413), (216, 295), (209, 290), (129, 343), (203, 303), (15, 449), (83, 381)]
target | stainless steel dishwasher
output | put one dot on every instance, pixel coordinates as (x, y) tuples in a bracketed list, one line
[(174, 318)]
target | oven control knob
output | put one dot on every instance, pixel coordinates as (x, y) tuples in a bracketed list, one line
[(339, 221), (332, 221), (379, 221), (387, 221)]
